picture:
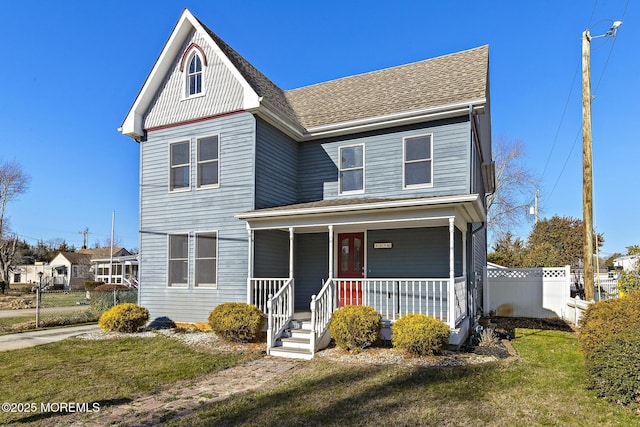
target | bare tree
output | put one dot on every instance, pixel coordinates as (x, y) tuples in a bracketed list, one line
[(515, 185), (13, 182)]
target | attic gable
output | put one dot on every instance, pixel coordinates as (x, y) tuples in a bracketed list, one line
[(159, 101)]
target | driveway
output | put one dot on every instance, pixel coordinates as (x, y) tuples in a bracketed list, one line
[(44, 336)]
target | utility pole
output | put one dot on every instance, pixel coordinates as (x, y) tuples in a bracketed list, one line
[(587, 163), (85, 234), (587, 175)]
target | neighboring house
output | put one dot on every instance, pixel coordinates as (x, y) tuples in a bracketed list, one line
[(70, 270), (29, 273), (122, 270), (368, 189), (119, 268), (95, 253), (626, 263)]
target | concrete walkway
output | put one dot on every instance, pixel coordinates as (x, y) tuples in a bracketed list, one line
[(44, 336)]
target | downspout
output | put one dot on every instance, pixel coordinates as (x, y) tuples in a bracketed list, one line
[(470, 289)]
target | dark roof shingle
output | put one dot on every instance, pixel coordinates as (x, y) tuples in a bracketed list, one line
[(445, 80), (440, 81)]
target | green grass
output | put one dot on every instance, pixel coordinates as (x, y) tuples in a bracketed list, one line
[(545, 387), (107, 372), (64, 299), (47, 318)]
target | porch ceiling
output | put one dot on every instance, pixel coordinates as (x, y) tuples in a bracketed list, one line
[(369, 213)]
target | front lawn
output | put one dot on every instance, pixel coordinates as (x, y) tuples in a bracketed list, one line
[(544, 387), (104, 371)]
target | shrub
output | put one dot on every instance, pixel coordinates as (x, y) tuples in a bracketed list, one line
[(125, 317), (614, 368), (92, 284), (237, 321), (355, 327), (607, 318), (420, 334)]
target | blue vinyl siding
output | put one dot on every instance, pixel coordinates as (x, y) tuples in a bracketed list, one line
[(416, 252), (276, 167), (384, 163), (271, 248), (198, 210), (311, 266)]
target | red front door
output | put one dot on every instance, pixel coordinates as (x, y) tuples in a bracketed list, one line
[(350, 266)]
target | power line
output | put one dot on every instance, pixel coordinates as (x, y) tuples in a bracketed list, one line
[(564, 111), (594, 92)]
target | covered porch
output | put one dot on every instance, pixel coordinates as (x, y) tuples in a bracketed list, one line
[(397, 256)]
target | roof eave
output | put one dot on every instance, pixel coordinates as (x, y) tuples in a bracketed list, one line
[(396, 119), (299, 133), (475, 210)]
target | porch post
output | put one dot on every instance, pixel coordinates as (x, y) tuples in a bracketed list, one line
[(291, 237), (331, 252), (464, 254), (452, 274), (250, 236)]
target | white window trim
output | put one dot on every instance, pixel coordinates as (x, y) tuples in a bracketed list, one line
[(168, 281), (188, 187), (195, 253), (404, 162), (208, 186), (340, 170), (185, 91)]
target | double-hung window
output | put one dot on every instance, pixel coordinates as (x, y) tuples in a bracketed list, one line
[(204, 264), (418, 161), (208, 161), (206, 259), (179, 166), (178, 260), (351, 174)]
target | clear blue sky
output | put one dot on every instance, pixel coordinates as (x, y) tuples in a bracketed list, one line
[(71, 70)]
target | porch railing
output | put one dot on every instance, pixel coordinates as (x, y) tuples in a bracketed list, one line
[(393, 298), (460, 287), (322, 307), (279, 312), (260, 289)]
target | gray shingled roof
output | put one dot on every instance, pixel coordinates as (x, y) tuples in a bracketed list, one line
[(444, 80), (260, 83), (77, 258)]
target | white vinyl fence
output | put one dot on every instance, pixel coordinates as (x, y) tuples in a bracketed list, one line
[(540, 293), (528, 292)]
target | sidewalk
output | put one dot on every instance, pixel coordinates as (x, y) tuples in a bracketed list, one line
[(44, 336)]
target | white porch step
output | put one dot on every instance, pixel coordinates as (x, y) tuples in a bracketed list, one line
[(295, 341), (300, 324), (292, 353), (297, 333)]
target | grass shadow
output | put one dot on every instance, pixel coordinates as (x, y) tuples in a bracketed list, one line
[(330, 393)]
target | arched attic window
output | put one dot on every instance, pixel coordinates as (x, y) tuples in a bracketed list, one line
[(194, 75), (192, 64)]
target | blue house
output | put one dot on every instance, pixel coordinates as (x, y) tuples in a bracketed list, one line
[(369, 189)]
